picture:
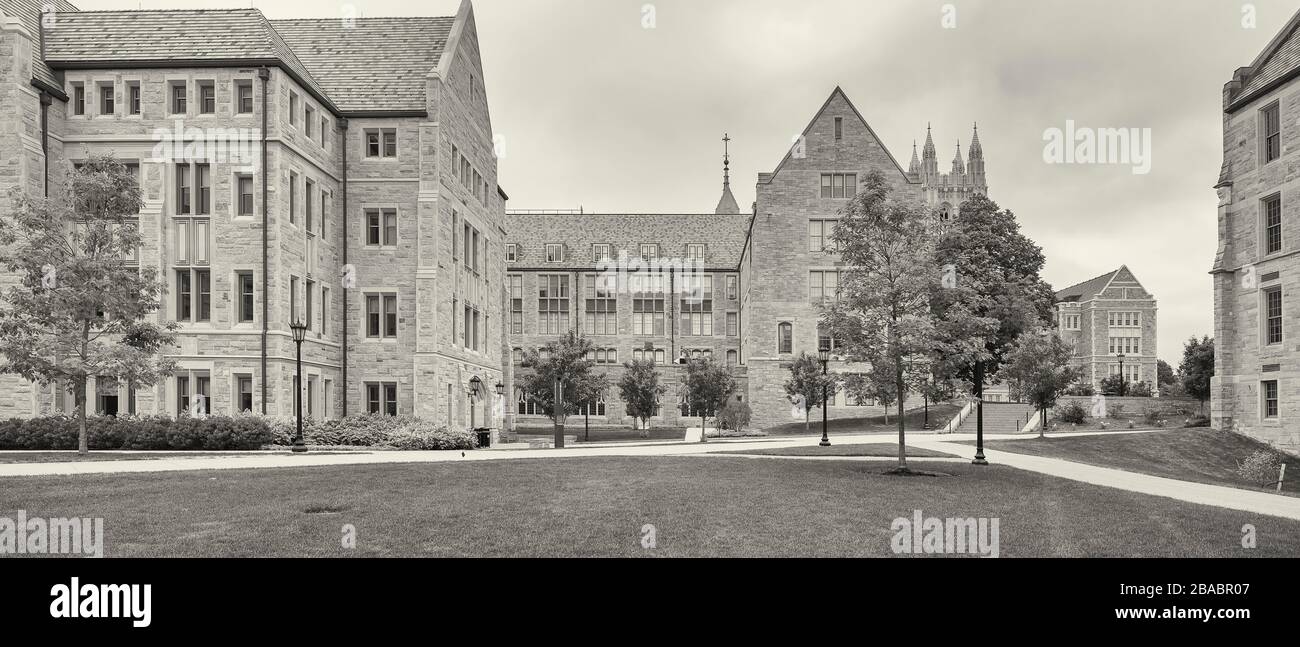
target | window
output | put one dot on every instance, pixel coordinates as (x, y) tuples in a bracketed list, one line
[(839, 185), (293, 109), (309, 121), (1273, 315), (324, 131), (601, 252), (1268, 389), (244, 392), (602, 305), (472, 319), (823, 286), (819, 234), (293, 197), (193, 295), (1272, 133), (78, 99), (649, 251), (515, 284), (512, 252), (381, 142), (1125, 345), (826, 340), (325, 198), (656, 355), (697, 305), (178, 97), (310, 294), (244, 184), (381, 316), (1121, 319), (552, 304), (325, 398), (381, 226), (647, 303), (246, 300), (106, 99), (203, 184), (603, 355), (244, 97), (293, 300), (731, 359), (784, 338), (207, 97), (324, 309), (839, 128), (596, 408), (554, 253), (1070, 321), (133, 97), (182, 188), (733, 287), (526, 405), (1272, 224), (695, 251), (733, 324), (182, 394), (309, 189), (381, 398)]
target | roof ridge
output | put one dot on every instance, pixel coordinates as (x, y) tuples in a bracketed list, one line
[(203, 9), (362, 18), (1080, 283)]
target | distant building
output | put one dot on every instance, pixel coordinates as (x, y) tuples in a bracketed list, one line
[(1111, 322), (1256, 386)]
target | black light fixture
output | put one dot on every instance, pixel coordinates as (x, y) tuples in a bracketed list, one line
[(475, 387), (501, 389), (824, 355), (1121, 373), (299, 329)]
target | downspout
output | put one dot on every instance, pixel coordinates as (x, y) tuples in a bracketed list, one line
[(265, 75), (343, 125), (45, 139)]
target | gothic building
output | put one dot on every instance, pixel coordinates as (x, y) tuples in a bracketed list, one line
[(947, 191)]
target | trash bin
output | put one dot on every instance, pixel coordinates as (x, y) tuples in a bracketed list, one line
[(484, 436)]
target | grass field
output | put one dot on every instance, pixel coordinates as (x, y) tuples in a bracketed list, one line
[(940, 414), (604, 434), (1198, 454), (863, 449), (39, 456), (699, 506)]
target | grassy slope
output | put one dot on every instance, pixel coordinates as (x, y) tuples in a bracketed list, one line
[(940, 414), (701, 506), (864, 449)]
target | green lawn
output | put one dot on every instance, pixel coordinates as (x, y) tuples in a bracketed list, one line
[(940, 414), (863, 449), (699, 506), (1198, 454), (39, 456), (604, 434)]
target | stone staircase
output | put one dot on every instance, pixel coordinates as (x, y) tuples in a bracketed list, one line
[(999, 418)]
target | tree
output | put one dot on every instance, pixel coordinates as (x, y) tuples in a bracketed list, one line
[(883, 313), (1113, 384), (640, 390), (708, 385), (1165, 377), (79, 310), (1197, 368), (806, 380), (563, 363), (1038, 363)]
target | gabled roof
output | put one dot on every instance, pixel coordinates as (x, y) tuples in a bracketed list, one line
[(1278, 62), (807, 129), (723, 235), (29, 12), (373, 65), (199, 37), (1091, 287)]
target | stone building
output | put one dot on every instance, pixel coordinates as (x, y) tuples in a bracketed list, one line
[(1256, 384), (337, 172), (1111, 322)]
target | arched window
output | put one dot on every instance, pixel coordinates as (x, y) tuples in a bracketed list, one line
[(945, 212), (526, 405), (731, 358), (784, 337), (597, 410)]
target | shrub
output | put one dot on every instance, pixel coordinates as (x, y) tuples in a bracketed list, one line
[(1073, 413), (1260, 468), (137, 432), (1198, 421), (1138, 390), (1115, 411), (1151, 416), (1081, 389), (735, 415), (372, 430)]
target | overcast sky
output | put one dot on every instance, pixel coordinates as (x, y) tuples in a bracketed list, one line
[(597, 110)]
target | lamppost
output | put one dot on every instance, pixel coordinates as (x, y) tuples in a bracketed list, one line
[(1121, 373), (824, 354), (475, 392), (299, 334)]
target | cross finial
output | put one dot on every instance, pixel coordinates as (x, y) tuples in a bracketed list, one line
[(726, 158)]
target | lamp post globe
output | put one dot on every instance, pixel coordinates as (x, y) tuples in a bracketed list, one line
[(299, 329), (824, 355)]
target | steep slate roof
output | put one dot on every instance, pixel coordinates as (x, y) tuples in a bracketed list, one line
[(1279, 61), (767, 177), (723, 235), (374, 64), (29, 12), (1086, 289), (174, 36)]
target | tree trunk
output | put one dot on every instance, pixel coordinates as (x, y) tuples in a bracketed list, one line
[(1042, 421), (83, 444), (898, 386), (806, 410)]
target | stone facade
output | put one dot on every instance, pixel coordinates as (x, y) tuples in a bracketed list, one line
[(313, 256), (1104, 318), (1256, 269)]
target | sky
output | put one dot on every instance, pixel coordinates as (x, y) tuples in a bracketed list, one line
[(620, 106)]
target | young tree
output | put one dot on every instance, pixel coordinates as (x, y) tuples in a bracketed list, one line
[(883, 314), (79, 310), (708, 385), (1165, 378), (806, 380), (1113, 384), (1197, 368), (640, 389), (562, 374), (1038, 362)]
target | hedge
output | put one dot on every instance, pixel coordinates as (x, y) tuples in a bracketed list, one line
[(244, 431)]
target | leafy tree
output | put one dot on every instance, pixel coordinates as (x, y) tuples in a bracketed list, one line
[(1138, 389), (564, 361), (1113, 385), (708, 385), (1039, 365), (1197, 368), (806, 380), (640, 390), (78, 309), (883, 314), (1165, 377)]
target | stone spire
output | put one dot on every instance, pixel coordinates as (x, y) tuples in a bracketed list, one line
[(726, 204), (929, 161), (976, 163), (976, 151), (958, 168), (915, 166)]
